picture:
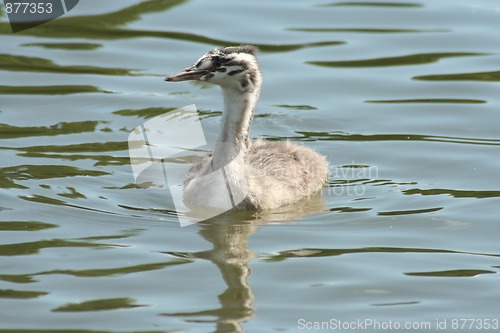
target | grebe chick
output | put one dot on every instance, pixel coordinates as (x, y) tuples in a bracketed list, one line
[(257, 174)]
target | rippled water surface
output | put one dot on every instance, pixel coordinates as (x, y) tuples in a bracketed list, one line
[(402, 98)]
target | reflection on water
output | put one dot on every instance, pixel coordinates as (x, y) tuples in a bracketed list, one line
[(106, 27), (33, 64), (10, 132), (400, 96), (232, 256), (320, 136), (454, 193), (357, 30), (432, 100), (485, 76), (374, 4), (413, 59)]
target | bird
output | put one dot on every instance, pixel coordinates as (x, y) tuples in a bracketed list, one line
[(240, 173)]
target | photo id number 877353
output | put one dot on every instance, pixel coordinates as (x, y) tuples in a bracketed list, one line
[(28, 7)]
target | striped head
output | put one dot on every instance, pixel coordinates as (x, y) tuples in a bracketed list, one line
[(228, 67)]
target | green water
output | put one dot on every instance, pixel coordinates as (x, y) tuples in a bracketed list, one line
[(401, 97)]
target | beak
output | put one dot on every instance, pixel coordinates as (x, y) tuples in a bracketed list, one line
[(190, 73)]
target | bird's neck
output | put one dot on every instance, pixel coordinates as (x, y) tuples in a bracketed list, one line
[(238, 113)]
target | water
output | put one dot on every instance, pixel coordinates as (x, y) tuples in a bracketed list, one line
[(402, 98)]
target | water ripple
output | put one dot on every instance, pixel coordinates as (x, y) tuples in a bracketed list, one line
[(479, 76), (428, 100), (17, 63), (99, 305), (313, 252), (374, 4), (21, 294), (25, 226), (410, 211), (95, 272), (412, 59), (107, 26), (454, 193), (49, 90), (30, 248), (10, 132), (366, 30), (320, 136), (25, 172), (66, 46), (453, 273)]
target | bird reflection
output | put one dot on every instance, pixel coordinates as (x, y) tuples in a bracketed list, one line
[(231, 255), (229, 233)]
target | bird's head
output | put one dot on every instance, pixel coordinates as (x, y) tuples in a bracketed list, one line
[(229, 67)]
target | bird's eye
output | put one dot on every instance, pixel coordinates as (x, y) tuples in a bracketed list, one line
[(216, 62)]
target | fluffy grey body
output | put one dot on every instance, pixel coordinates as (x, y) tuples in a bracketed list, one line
[(257, 174), (278, 174)]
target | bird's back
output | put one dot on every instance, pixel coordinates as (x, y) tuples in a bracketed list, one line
[(282, 172), (277, 173)]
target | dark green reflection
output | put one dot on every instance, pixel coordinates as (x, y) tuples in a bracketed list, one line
[(72, 194), (429, 100), (51, 201), (148, 113), (374, 4), (19, 249), (93, 23), (313, 252), (367, 30), (99, 305), (320, 136), (16, 278), (49, 90), (101, 160), (9, 176), (11, 132), (19, 63), (87, 26), (20, 294), (144, 113), (25, 226), (80, 151), (90, 147), (349, 209), (410, 211), (23, 172), (453, 273), (413, 59), (43, 199), (296, 107), (480, 76), (109, 26), (66, 46), (97, 272), (100, 272), (454, 193)]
